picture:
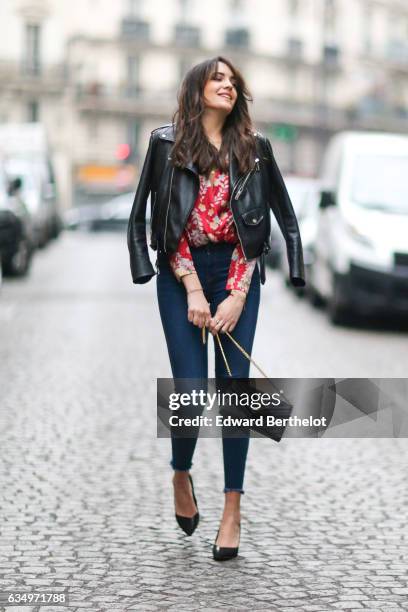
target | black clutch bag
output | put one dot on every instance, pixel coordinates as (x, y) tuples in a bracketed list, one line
[(267, 420)]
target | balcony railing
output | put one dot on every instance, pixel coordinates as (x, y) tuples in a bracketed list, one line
[(323, 116), (124, 99), (11, 72), (99, 90)]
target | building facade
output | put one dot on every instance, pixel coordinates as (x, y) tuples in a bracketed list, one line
[(101, 75)]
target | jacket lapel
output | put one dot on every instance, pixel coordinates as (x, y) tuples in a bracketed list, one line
[(232, 170), (168, 134)]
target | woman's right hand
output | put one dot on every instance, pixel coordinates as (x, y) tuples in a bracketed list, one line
[(198, 311)]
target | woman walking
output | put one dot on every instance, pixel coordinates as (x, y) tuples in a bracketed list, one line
[(213, 181)]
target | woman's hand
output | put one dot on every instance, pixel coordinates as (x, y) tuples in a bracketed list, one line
[(228, 313), (198, 311)]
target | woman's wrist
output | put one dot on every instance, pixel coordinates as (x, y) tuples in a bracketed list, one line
[(239, 294), (191, 282), (192, 290)]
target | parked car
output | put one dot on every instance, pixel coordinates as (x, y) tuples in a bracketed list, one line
[(26, 154), (111, 215), (302, 192), (360, 260), (115, 213), (17, 237), (306, 204), (81, 217)]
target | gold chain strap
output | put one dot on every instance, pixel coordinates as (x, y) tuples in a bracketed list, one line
[(238, 346), (223, 354)]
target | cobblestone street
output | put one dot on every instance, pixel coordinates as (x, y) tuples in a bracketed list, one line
[(86, 503)]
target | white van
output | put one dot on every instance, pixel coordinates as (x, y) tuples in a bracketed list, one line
[(360, 260), (26, 155)]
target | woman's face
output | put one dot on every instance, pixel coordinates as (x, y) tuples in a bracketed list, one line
[(220, 91)]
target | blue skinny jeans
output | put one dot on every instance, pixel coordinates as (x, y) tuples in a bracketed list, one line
[(188, 355)]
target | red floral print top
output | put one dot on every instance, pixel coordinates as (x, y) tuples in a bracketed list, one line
[(211, 220)]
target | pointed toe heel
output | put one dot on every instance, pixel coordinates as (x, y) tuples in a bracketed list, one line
[(186, 523), (223, 553)]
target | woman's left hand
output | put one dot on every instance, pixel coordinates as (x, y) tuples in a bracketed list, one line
[(227, 315)]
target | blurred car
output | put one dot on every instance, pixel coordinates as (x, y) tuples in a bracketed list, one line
[(360, 260), (303, 194), (274, 256), (17, 237), (299, 189), (26, 154), (111, 215), (115, 213), (39, 196), (307, 209), (81, 217)]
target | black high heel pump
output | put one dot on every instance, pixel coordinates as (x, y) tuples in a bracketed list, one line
[(223, 553), (189, 524)]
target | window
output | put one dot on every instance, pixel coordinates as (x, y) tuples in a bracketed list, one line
[(330, 12), (331, 55), (133, 75), (133, 138), (185, 10), (236, 5), (367, 27), (33, 111), (372, 177), (293, 6), (237, 37), (31, 63), (295, 47), (187, 35), (329, 19), (237, 14), (134, 7)]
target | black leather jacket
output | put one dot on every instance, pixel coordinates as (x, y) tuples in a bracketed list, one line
[(173, 193)]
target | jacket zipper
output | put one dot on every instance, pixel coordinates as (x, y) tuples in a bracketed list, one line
[(256, 167), (154, 204), (167, 213), (249, 174)]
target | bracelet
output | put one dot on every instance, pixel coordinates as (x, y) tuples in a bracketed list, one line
[(192, 290)]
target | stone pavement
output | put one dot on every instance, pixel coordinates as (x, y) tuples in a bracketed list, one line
[(86, 497)]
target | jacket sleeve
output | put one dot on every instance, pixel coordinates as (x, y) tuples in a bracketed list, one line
[(140, 265), (286, 218)]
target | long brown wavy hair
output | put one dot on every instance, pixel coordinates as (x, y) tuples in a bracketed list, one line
[(191, 141)]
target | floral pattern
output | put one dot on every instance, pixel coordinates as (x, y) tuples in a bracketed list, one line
[(211, 220)]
